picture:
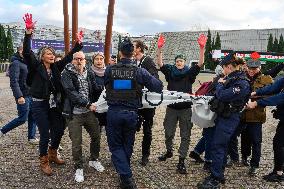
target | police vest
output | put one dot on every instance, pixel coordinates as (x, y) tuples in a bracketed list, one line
[(225, 109), (123, 85)]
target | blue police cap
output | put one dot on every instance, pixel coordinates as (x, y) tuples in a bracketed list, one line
[(228, 59)]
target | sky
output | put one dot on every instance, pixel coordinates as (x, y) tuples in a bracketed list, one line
[(139, 17)]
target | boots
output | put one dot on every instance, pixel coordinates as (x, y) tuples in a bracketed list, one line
[(181, 166), (165, 156), (44, 165), (52, 156)]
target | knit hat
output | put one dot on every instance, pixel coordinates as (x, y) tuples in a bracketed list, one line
[(180, 56), (218, 70), (254, 61), (97, 54)]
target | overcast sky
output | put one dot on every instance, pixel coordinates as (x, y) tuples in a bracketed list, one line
[(151, 16)]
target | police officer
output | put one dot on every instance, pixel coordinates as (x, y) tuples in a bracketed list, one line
[(124, 82), (276, 89), (232, 93)]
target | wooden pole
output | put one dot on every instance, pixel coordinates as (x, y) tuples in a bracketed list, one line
[(109, 30), (74, 20), (66, 26)]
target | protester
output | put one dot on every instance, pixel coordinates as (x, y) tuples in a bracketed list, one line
[(232, 93), (80, 86), (18, 72), (98, 67), (276, 89), (47, 95), (146, 115), (124, 83), (252, 120), (180, 78)]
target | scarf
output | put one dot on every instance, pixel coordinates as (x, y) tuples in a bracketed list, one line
[(99, 71)]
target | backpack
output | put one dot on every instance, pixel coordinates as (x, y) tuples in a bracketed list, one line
[(204, 88)]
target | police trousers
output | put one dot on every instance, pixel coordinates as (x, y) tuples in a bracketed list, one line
[(225, 128), (120, 131), (182, 116), (278, 147)]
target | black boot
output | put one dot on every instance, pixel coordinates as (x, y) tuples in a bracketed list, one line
[(127, 183), (196, 157), (207, 166), (165, 156), (144, 161), (181, 169), (209, 183)]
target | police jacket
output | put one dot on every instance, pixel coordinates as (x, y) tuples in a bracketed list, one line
[(259, 113), (233, 94), (141, 77), (277, 90), (18, 72), (180, 80), (148, 64), (41, 84), (71, 86)]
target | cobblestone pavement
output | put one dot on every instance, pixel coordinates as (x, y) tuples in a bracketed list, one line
[(19, 160)]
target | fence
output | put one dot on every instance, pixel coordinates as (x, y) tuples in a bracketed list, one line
[(4, 66)]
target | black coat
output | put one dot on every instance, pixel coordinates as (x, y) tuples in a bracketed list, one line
[(18, 72), (40, 83), (148, 64), (70, 84)]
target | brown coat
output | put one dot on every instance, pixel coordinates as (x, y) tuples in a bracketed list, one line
[(259, 113)]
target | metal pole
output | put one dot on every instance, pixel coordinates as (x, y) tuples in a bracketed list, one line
[(66, 26), (109, 30), (74, 20)]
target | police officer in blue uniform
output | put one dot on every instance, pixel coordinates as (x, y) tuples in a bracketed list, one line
[(232, 93), (124, 82)]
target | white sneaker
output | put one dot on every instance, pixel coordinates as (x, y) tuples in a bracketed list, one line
[(79, 176), (60, 148), (34, 141), (1, 134), (97, 165)]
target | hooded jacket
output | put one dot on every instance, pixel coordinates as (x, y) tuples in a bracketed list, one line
[(18, 72)]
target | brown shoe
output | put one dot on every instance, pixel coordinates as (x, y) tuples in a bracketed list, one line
[(53, 157), (44, 165)]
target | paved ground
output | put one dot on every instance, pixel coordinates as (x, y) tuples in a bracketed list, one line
[(19, 160)]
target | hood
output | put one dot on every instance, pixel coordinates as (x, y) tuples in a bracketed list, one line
[(17, 56)]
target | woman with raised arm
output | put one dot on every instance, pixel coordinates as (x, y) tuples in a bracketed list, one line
[(47, 93)]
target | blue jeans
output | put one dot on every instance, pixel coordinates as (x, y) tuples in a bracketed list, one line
[(50, 124), (204, 144), (24, 114)]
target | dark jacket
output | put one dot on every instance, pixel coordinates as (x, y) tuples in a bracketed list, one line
[(277, 90), (42, 85), (71, 85), (148, 64), (181, 81), (18, 72), (143, 78)]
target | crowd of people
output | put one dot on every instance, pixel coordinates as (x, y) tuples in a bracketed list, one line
[(54, 92)]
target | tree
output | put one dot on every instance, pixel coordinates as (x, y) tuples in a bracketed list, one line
[(209, 64), (2, 44), (270, 43), (213, 44), (9, 47), (218, 42), (281, 44), (275, 45)]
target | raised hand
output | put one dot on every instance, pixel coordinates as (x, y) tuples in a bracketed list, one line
[(202, 41), (161, 41), (80, 37), (28, 19)]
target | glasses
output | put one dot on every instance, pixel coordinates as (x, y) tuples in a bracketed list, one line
[(79, 59)]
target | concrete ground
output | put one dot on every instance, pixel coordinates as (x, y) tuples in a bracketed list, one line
[(19, 159)]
